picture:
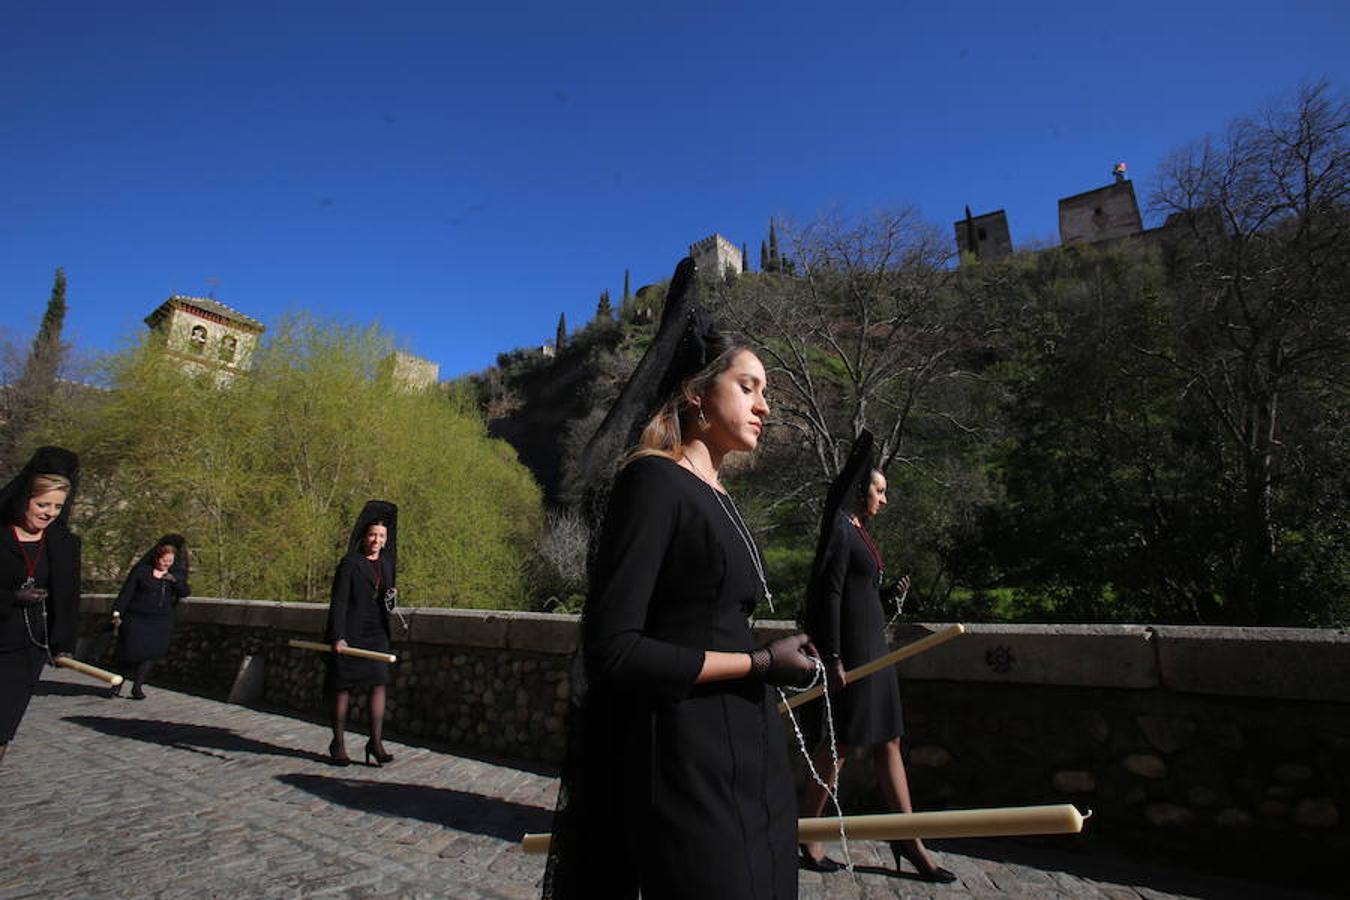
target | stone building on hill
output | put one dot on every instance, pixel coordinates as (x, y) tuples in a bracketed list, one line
[(1101, 215), (1104, 214), (717, 254), (411, 372), (206, 335), (984, 235)]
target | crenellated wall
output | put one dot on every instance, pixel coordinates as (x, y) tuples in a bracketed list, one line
[(1222, 743)]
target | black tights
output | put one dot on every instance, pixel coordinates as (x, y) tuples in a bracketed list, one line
[(142, 673), (342, 700)]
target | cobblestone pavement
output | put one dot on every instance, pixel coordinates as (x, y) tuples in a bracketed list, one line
[(181, 796)]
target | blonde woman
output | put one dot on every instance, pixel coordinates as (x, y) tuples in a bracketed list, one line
[(676, 782), (39, 578)]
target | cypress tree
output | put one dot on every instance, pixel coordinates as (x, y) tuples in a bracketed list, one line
[(763, 257), (27, 400), (47, 344), (745, 258), (774, 259), (561, 338), (603, 311), (627, 295)]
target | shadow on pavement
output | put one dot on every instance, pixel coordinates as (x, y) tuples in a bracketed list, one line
[(184, 736), (47, 688), (461, 811), (1112, 866)]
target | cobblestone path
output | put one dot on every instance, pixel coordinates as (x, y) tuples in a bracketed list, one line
[(181, 796)]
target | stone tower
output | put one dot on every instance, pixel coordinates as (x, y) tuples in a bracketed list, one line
[(409, 372), (716, 254), (987, 235), (1103, 214), (206, 335)]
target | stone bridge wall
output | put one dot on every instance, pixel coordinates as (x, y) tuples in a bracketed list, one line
[(1226, 743)]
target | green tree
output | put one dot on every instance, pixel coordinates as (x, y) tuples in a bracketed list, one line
[(27, 402), (265, 473), (604, 312), (627, 294), (1100, 513), (867, 337), (1261, 273), (560, 339)]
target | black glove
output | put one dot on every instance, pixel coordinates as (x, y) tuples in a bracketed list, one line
[(30, 597), (788, 661)]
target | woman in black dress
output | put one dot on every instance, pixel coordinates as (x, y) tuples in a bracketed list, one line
[(358, 615), (144, 609), (676, 781), (845, 620), (39, 578)]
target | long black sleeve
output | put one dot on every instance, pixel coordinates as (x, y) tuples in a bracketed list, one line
[(338, 602), (128, 591), (639, 526)]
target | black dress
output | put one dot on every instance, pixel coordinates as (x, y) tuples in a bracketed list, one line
[(356, 614), (146, 604), (22, 628), (845, 616), (680, 789)]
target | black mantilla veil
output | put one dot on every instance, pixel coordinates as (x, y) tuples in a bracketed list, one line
[(377, 511), (846, 492), (686, 341), (44, 461), (180, 566)]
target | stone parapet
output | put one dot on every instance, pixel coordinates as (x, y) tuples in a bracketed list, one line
[(1121, 656), (1280, 663)]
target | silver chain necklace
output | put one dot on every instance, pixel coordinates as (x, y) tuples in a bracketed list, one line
[(44, 644), (734, 517)]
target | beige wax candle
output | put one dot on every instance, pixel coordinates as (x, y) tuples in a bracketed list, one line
[(378, 655), (881, 662), (1007, 821), (68, 662)]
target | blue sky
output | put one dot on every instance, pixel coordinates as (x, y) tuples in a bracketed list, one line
[(463, 173)]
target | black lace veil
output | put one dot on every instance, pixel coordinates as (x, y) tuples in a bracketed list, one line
[(180, 566), (44, 461), (377, 511)]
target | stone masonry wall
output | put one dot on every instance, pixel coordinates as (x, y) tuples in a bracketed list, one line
[(1226, 744)]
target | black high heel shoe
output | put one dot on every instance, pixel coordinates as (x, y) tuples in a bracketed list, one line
[(933, 873), (337, 754), (377, 751), (824, 864)]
